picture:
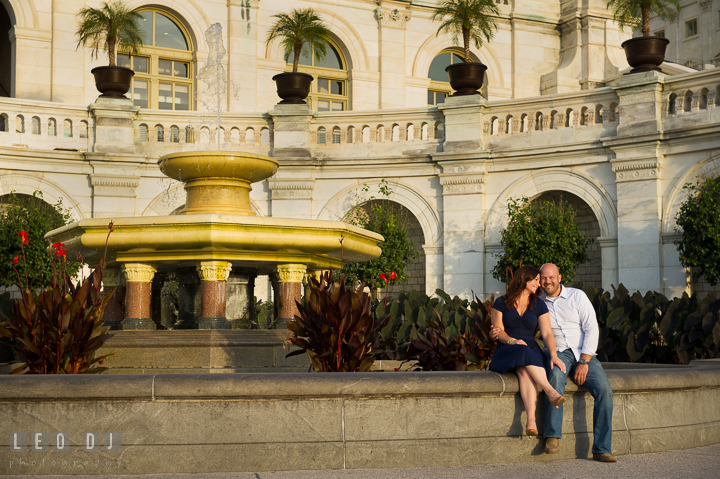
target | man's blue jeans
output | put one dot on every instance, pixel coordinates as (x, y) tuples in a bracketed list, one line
[(599, 388)]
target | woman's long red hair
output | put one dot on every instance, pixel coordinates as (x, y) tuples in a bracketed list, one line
[(517, 285)]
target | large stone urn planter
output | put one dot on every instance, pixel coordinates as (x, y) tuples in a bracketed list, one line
[(112, 82), (293, 88), (645, 54), (466, 78)]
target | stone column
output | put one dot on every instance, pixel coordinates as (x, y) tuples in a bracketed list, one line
[(114, 311), (287, 283), (138, 277), (609, 258), (463, 185), (434, 268), (189, 299), (463, 124), (213, 279), (240, 299)]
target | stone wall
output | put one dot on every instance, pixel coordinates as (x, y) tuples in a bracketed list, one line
[(188, 423)]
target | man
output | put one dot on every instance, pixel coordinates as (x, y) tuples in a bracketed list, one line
[(576, 332), (575, 327)]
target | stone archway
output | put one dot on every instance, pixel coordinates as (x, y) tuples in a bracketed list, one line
[(590, 273), (416, 269)]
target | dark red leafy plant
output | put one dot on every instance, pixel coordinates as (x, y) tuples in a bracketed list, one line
[(59, 330)]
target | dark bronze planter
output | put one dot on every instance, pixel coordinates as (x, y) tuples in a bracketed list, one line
[(112, 82), (466, 78), (293, 88), (645, 54)]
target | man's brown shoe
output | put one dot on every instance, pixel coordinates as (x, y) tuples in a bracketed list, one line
[(552, 445), (602, 457)]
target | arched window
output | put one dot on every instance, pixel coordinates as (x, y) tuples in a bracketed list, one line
[(189, 134), (379, 137), (52, 127), (703, 99), (160, 133), (67, 129), (569, 117), (439, 83), (3, 122), (321, 136), (671, 104), (83, 129), (538, 121), (424, 132), (235, 136), (143, 133), (614, 112), (523, 123), (250, 136), (329, 89), (336, 136), (35, 125), (19, 124), (6, 53), (583, 116), (366, 134), (494, 124), (163, 65), (265, 136), (174, 134), (350, 135), (553, 119), (508, 124), (396, 133)]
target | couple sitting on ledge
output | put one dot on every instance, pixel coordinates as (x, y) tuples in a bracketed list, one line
[(569, 328)]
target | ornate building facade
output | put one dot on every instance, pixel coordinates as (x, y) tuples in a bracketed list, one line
[(556, 117)]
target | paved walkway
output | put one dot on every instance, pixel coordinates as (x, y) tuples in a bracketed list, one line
[(697, 463)]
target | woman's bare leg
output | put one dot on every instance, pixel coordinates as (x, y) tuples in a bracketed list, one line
[(528, 393), (539, 375)]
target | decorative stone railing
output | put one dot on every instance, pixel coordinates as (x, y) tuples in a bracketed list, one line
[(551, 119), (202, 423), (161, 132), (692, 99), (44, 125), (401, 128)]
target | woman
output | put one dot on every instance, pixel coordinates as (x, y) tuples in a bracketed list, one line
[(517, 316)]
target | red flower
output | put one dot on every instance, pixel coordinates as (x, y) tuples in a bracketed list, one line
[(58, 246), (393, 276), (16, 260), (382, 277), (22, 234)]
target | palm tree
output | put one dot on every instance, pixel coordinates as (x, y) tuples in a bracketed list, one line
[(637, 12), (297, 28), (471, 19), (111, 27)]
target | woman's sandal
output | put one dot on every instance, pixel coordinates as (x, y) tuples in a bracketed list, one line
[(531, 432), (558, 402)]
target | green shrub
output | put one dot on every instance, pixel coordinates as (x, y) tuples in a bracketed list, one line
[(36, 217), (539, 233), (698, 217), (387, 219)]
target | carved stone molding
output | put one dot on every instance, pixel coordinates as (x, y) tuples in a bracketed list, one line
[(114, 185), (454, 184), (705, 5), (291, 189), (214, 270), (290, 273), (138, 272), (645, 97), (640, 170), (432, 249), (392, 18)]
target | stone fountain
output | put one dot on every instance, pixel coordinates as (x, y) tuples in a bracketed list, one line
[(215, 234)]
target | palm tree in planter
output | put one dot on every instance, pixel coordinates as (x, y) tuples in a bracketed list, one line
[(111, 27), (473, 21), (295, 30), (643, 53)]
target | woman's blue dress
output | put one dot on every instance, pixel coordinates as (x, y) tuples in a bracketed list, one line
[(508, 356)]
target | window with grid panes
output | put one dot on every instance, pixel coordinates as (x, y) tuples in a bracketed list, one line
[(439, 82), (328, 91), (163, 64)]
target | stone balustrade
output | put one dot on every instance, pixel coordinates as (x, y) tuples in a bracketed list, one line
[(44, 125), (691, 99), (202, 423)]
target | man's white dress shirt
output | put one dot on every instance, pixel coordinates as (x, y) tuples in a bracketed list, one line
[(573, 322)]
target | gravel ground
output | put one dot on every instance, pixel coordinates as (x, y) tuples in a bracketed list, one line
[(697, 463)]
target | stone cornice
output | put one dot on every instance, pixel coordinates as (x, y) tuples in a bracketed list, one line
[(114, 185), (292, 189), (462, 184), (637, 169)]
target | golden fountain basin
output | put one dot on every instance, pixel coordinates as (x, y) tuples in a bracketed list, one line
[(218, 181), (256, 242)]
